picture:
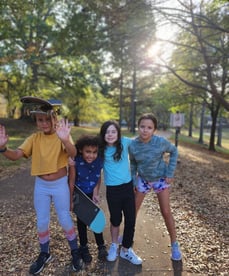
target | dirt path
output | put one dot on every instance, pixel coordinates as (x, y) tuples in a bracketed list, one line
[(200, 203), (19, 240)]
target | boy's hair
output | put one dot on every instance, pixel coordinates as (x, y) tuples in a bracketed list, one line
[(87, 140), (148, 116), (118, 144)]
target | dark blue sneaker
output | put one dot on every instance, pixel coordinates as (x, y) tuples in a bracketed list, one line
[(39, 264), (102, 252), (77, 262), (85, 254)]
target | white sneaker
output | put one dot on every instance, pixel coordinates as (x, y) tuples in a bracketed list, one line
[(112, 252), (130, 256)]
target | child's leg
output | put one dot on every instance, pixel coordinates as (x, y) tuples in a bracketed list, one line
[(114, 203), (82, 231), (84, 249), (129, 216), (139, 197), (163, 198), (115, 210), (99, 239), (114, 230), (102, 252), (164, 202), (61, 199), (141, 190), (42, 201)]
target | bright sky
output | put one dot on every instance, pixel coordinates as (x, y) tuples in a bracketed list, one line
[(164, 32)]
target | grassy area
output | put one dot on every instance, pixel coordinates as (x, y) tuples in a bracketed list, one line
[(183, 137), (78, 131), (18, 130)]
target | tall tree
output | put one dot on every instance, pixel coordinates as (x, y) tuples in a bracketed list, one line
[(200, 59), (130, 32), (52, 44)]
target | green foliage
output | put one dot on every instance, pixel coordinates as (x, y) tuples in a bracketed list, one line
[(93, 108), (183, 137), (85, 53), (19, 129), (199, 60), (40, 41)]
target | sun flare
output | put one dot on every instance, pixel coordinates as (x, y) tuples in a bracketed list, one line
[(154, 50)]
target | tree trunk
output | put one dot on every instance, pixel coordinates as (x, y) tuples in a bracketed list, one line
[(212, 135), (219, 136), (121, 99), (190, 120), (201, 141), (133, 102)]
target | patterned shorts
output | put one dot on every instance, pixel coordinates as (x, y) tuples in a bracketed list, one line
[(145, 187)]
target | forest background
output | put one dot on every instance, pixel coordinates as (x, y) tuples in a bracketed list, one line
[(117, 59)]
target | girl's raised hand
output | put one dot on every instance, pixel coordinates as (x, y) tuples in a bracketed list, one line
[(63, 129)]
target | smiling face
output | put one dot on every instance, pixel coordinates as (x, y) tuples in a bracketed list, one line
[(111, 135), (44, 123), (89, 153), (146, 129)]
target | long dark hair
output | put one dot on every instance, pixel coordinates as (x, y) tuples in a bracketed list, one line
[(103, 143)]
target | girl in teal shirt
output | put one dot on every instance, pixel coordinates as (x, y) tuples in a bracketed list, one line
[(119, 190)]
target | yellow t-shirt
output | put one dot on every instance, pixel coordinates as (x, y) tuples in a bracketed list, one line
[(47, 151)]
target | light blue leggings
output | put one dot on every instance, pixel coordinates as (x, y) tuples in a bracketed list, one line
[(44, 193)]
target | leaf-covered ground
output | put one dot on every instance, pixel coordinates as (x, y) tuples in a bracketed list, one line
[(199, 199)]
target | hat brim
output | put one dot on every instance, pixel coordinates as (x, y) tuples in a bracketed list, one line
[(35, 101), (39, 106), (38, 112)]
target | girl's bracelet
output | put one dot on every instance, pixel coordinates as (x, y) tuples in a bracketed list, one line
[(3, 150)]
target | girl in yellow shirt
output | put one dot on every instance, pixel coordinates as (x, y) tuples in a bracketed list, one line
[(49, 149)]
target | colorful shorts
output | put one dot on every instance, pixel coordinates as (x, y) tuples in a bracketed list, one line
[(144, 186)]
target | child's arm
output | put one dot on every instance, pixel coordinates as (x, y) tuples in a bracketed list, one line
[(63, 132), (8, 153), (133, 169), (71, 180), (173, 155), (95, 196)]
